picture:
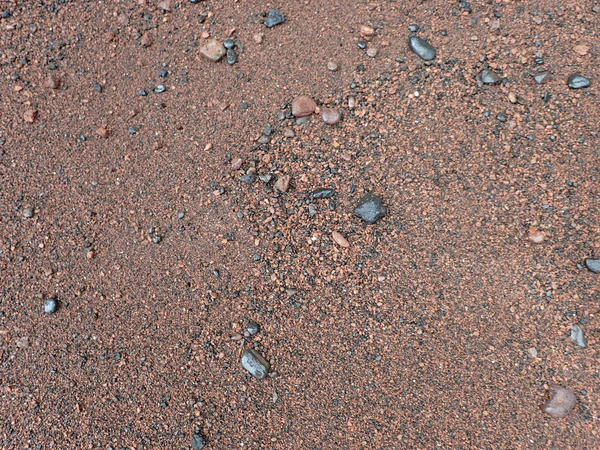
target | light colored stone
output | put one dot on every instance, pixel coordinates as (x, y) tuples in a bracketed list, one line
[(213, 50), (561, 403), (283, 183), (330, 116), (303, 106), (340, 240), (255, 364)]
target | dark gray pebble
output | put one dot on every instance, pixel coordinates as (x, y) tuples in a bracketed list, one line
[(323, 193), (361, 44), (98, 87), (163, 73), (370, 208), (231, 57), (577, 336), (577, 81), (228, 43), (486, 76), (413, 28), (593, 264), (255, 364), (50, 306), (198, 442), (194, 2), (249, 178), (501, 117), (312, 210), (421, 47), (274, 18), (156, 239), (253, 328)]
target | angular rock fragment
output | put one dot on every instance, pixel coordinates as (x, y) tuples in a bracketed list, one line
[(370, 208), (561, 403)]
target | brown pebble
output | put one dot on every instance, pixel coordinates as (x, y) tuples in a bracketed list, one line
[(289, 133), (366, 31), (512, 97), (283, 183), (102, 132), (330, 116), (339, 239), (213, 50), (164, 5), (303, 106), (536, 236), (581, 49), (561, 403), (333, 66), (258, 37), (237, 164), (52, 82), (372, 52), (146, 40), (90, 254), (30, 115)]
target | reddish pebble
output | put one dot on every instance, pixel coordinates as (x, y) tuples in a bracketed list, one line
[(536, 236), (372, 52), (289, 133), (146, 40), (30, 115), (102, 132), (52, 82), (235, 165), (561, 403), (283, 183), (330, 116), (340, 240), (303, 106)]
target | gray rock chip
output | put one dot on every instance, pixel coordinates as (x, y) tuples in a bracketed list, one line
[(231, 56), (486, 76), (593, 264), (421, 47), (577, 336), (561, 403), (249, 178), (198, 442), (370, 208), (274, 18), (541, 78), (323, 193), (228, 43), (577, 81), (252, 328), (50, 306), (255, 364)]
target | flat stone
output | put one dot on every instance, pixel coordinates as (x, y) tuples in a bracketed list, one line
[(421, 47), (255, 364), (593, 264), (330, 116), (283, 183), (339, 239), (370, 208), (323, 193), (486, 76), (561, 403), (213, 50), (303, 106), (577, 81), (274, 18), (577, 336)]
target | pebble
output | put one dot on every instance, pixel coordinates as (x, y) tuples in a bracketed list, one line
[(274, 18), (283, 183), (258, 37), (156, 239), (489, 77), (577, 81), (372, 52), (330, 116), (561, 403), (52, 82), (340, 240), (142, 92), (252, 328), (102, 132), (30, 115), (50, 306), (198, 442), (512, 97), (351, 102), (28, 213), (237, 164), (213, 50), (160, 89), (413, 28), (370, 208), (581, 49), (312, 210), (532, 352), (131, 130), (541, 77), (333, 66), (231, 56), (577, 336), (228, 43), (421, 47), (255, 364), (162, 73), (593, 264), (303, 106), (323, 193), (536, 236), (249, 178)]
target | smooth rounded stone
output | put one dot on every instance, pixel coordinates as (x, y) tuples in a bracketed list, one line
[(421, 47), (333, 66), (593, 264), (303, 106), (198, 442), (231, 57), (577, 336), (577, 81), (330, 116), (252, 328), (486, 76), (213, 50), (339, 239), (561, 403), (228, 43), (255, 364), (541, 78), (370, 208), (50, 305), (274, 18), (323, 193), (160, 89)]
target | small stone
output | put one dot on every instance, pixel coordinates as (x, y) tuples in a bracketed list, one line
[(303, 106), (274, 18), (131, 130), (542, 77), (333, 66), (28, 213), (237, 164), (198, 442), (486, 76), (577, 81), (370, 208), (258, 37), (372, 52), (512, 97), (50, 305), (231, 57), (289, 133), (577, 336), (52, 82), (164, 5), (252, 328), (283, 183), (366, 31), (213, 50), (536, 236), (532, 352), (312, 210), (593, 264), (501, 117), (180, 215), (330, 116), (340, 240), (228, 43), (30, 115), (160, 89), (561, 403), (255, 364), (323, 193), (141, 92), (413, 28), (102, 132), (162, 73), (421, 47), (146, 40), (156, 239), (351, 102), (581, 49)]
